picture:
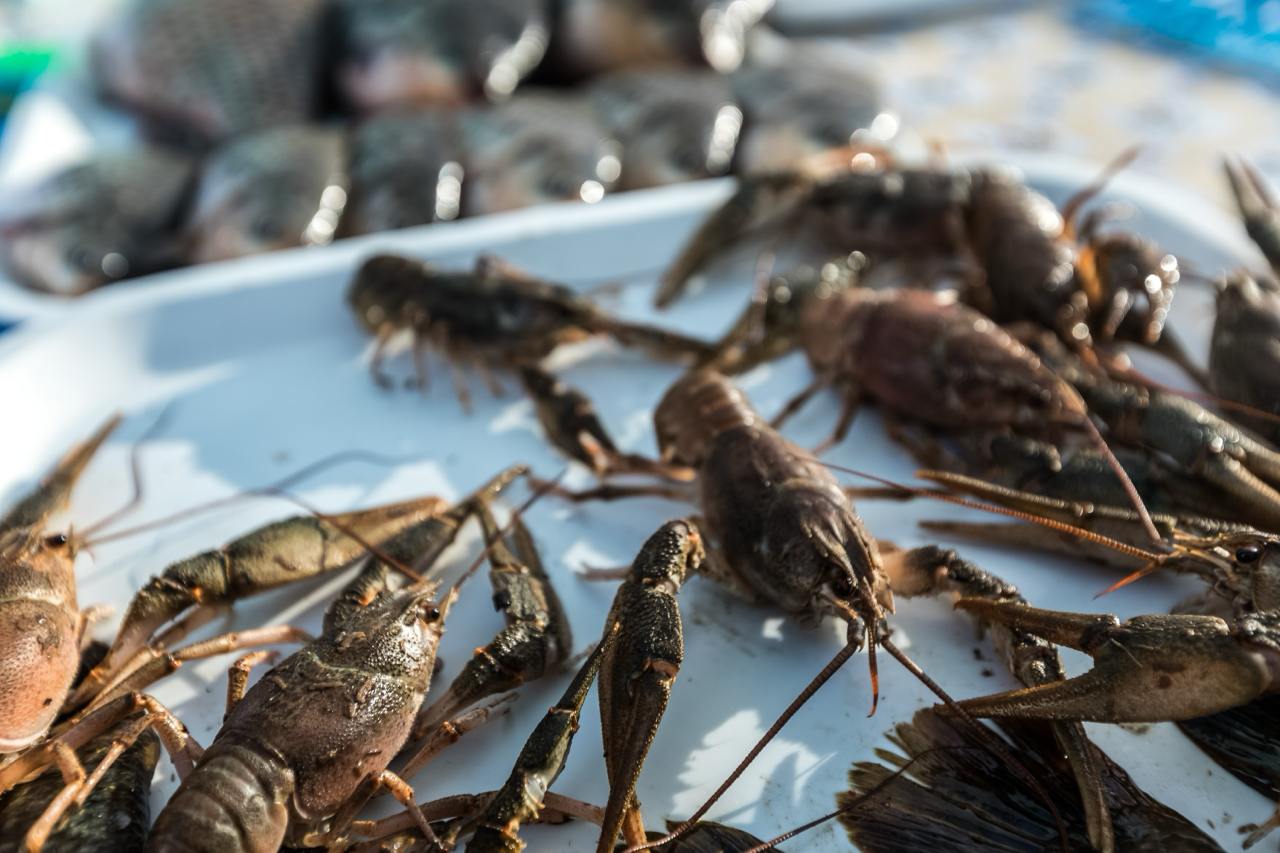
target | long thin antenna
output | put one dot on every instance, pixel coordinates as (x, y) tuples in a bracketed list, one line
[(347, 530), (135, 473), (1030, 518), (988, 737), (832, 667), (1132, 374), (1130, 490), (542, 488), (858, 800), (271, 490)]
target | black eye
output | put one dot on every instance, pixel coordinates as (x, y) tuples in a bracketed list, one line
[(841, 587), (1248, 553), (430, 614), (57, 540), (501, 600)]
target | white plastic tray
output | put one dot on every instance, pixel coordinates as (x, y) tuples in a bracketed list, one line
[(262, 364)]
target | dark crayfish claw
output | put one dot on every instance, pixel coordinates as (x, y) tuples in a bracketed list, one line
[(1146, 669), (1258, 207), (640, 667), (1244, 352), (520, 799)]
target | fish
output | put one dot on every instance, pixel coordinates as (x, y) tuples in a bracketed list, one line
[(447, 52), (673, 125), (115, 816), (956, 795), (802, 107), (282, 187), (197, 73), (542, 146), (594, 36), (405, 170), (114, 216)]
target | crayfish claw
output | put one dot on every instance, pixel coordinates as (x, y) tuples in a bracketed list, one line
[(1242, 480), (1147, 669), (1062, 628), (1257, 206)]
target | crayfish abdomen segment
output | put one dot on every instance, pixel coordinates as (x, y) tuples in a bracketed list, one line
[(700, 407), (237, 803)]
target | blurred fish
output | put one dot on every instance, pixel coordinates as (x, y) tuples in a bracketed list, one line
[(673, 125), (956, 795), (112, 217), (802, 107), (405, 171), (537, 148), (602, 35), (114, 818), (282, 187), (198, 72), (438, 51)]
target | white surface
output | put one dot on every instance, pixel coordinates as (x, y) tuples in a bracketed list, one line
[(263, 365)]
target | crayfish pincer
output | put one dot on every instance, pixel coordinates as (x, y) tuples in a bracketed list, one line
[(1150, 668), (316, 731)]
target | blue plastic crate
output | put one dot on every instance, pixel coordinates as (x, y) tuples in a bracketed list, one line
[(1243, 33)]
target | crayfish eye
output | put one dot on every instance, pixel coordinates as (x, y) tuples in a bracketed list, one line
[(841, 587), (430, 614), (1248, 553), (55, 540)]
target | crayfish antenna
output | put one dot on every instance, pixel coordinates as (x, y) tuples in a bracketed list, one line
[(485, 492), (498, 540), (849, 802), (1130, 490), (984, 489), (135, 474), (1131, 374), (275, 489), (832, 667), (990, 740)]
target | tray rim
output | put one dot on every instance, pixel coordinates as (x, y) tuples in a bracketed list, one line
[(1181, 206)]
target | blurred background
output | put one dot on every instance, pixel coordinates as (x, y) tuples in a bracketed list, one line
[(143, 135)]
